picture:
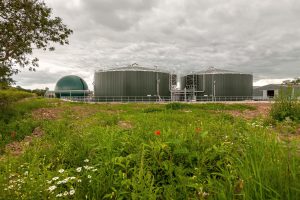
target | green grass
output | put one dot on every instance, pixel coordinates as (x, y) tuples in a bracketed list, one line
[(16, 119), (198, 154), (12, 95)]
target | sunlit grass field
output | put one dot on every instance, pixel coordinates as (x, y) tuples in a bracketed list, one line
[(142, 151)]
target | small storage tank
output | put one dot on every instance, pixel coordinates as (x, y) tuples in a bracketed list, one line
[(71, 86), (220, 83), (132, 80)]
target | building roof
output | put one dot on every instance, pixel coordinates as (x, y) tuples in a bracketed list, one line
[(257, 91), (135, 67), (275, 86), (71, 82), (213, 70)]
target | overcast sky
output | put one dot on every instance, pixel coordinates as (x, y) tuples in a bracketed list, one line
[(258, 36)]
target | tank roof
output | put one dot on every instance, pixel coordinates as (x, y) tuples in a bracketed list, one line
[(213, 70), (134, 67), (71, 82)]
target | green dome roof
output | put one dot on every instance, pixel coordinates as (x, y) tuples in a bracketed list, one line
[(71, 82), (71, 86)]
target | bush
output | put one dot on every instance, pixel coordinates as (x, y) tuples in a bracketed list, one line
[(177, 106), (12, 95), (286, 106)]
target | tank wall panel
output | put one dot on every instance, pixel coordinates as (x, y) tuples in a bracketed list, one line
[(130, 83), (224, 84)]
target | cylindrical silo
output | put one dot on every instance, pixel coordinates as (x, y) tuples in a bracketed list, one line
[(131, 81), (220, 83)]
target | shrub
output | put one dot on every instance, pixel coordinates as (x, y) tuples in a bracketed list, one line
[(152, 109), (286, 106), (11, 95), (177, 106)]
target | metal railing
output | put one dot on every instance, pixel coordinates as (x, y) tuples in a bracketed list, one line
[(111, 99)]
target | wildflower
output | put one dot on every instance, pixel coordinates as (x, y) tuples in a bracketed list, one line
[(66, 193), (94, 170), (157, 132), (72, 191), (197, 130), (61, 171), (49, 182), (78, 169), (87, 167), (67, 179), (11, 175), (51, 188), (89, 176), (59, 195), (72, 177), (55, 178), (13, 134), (79, 180), (86, 160), (26, 173), (63, 181)]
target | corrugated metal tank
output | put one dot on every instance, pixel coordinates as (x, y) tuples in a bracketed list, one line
[(215, 82), (71, 86), (131, 81)]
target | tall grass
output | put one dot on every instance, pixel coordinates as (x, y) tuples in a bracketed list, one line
[(16, 120), (8, 96), (287, 105), (197, 155)]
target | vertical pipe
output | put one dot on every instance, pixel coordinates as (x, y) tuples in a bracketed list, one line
[(214, 90)]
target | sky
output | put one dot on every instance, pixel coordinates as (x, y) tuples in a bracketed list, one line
[(261, 37)]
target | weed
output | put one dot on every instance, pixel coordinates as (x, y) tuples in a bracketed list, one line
[(286, 106), (167, 154)]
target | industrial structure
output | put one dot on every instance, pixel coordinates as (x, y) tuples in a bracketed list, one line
[(272, 91), (132, 80), (71, 86), (136, 83), (214, 84)]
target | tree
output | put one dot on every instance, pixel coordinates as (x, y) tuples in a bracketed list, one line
[(295, 81), (26, 25)]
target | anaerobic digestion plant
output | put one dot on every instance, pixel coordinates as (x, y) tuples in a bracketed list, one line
[(156, 84)]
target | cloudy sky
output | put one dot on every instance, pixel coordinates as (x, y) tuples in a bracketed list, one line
[(258, 36)]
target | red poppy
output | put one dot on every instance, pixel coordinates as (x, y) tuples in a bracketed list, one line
[(197, 130), (13, 134), (157, 132)]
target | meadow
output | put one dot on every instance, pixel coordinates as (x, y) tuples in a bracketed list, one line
[(52, 149)]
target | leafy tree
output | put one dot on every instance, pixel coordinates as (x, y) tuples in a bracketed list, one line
[(26, 25), (295, 81)]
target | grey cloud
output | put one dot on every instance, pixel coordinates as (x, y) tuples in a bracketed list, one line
[(262, 37)]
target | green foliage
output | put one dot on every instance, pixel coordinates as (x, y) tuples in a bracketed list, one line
[(197, 155), (220, 106), (286, 106), (15, 118), (24, 26), (152, 109), (209, 106), (11, 95), (177, 106)]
